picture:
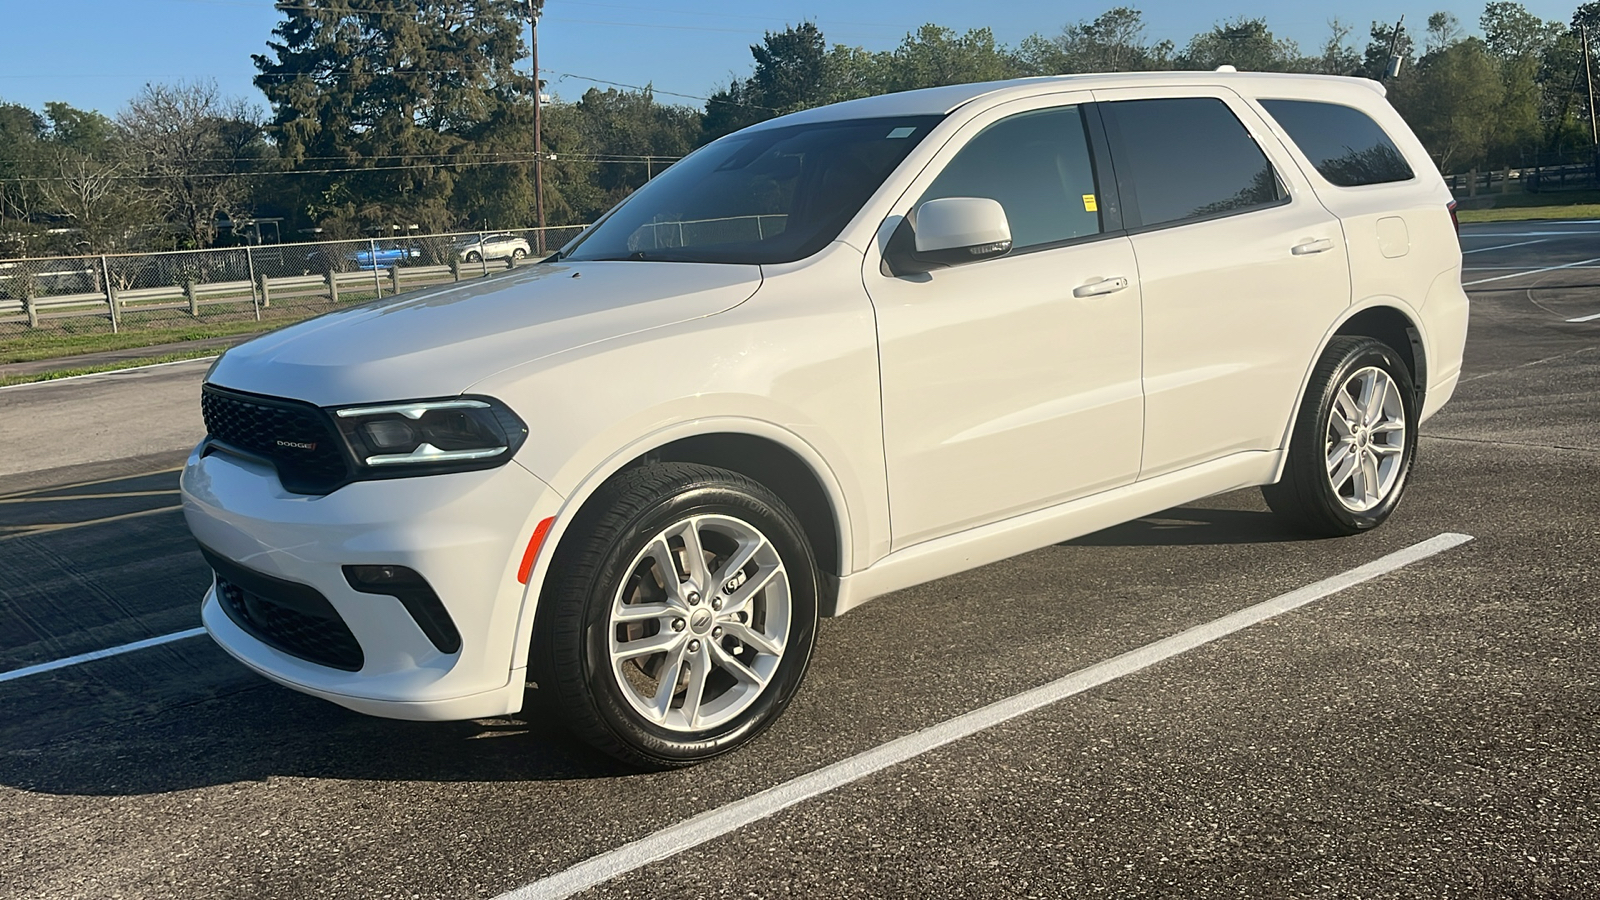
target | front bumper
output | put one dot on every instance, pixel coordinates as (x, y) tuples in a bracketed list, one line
[(465, 533)]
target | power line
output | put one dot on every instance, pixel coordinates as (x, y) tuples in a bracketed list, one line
[(587, 158), (290, 7)]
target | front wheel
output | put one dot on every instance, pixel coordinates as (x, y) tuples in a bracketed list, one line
[(679, 616), (518, 253), (1353, 443), (474, 256)]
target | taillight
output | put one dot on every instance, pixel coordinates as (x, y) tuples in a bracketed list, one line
[(1453, 220)]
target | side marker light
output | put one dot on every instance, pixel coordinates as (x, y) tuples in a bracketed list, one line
[(534, 543)]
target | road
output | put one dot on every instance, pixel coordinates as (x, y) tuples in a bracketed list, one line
[(1430, 732)]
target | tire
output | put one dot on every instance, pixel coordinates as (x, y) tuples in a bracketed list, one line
[(734, 640), (1353, 444), (474, 256), (518, 253)]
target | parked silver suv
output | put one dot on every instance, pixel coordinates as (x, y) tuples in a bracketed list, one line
[(492, 246), (833, 355)]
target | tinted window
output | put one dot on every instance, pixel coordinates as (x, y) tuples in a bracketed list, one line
[(769, 195), (1186, 159), (1343, 143), (1037, 166)]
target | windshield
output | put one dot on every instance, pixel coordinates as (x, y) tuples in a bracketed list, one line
[(767, 196)]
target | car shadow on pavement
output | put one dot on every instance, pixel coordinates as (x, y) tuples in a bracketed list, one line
[(264, 731), (1193, 525)]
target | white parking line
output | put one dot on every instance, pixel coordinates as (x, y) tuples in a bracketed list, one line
[(41, 668), (1506, 234), (1531, 272), (1504, 246), (717, 822), (1585, 318)]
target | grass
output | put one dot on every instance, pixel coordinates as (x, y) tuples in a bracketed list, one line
[(69, 337), (7, 380), (1526, 207), (51, 345)]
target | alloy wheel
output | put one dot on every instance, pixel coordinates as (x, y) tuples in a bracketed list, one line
[(1366, 439), (698, 628)]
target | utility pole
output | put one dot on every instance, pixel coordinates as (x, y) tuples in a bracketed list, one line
[(534, 8), (1588, 75), (1391, 69)]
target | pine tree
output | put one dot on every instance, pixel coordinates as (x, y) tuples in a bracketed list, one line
[(411, 92)]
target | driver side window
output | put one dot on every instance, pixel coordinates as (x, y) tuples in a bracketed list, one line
[(1036, 165)]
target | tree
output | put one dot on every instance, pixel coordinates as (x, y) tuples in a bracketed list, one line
[(196, 152), (398, 94), (1375, 61), (789, 75), (933, 56), (627, 125), (789, 69), (1453, 103), (1337, 57), (86, 181), (22, 133), (1519, 41), (1246, 44), (732, 108), (1510, 32), (1112, 42), (1444, 30)]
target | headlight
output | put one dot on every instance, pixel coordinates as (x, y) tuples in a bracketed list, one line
[(423, 436)]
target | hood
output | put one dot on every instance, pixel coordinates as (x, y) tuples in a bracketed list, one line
[(440, 341)]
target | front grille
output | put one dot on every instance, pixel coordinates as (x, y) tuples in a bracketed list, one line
[(295, 437), (285, 615)]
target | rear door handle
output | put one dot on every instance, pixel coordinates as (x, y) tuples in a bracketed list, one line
[(1101, 287), (1306, 248)]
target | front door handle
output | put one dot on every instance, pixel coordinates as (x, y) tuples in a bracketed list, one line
[(1101, 287), (1306, 248)]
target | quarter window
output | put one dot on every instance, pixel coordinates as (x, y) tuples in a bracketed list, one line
[(1187, 158), (1343, 143), (1036, 165)]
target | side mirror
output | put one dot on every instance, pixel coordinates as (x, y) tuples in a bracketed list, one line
[(962, 229), (950, 231)]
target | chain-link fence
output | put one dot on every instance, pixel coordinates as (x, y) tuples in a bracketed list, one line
[(270, 283)]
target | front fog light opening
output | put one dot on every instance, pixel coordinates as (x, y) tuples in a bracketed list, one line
[(415, 594), (429, 435)]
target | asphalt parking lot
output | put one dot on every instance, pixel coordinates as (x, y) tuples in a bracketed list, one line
[(1431, 732)]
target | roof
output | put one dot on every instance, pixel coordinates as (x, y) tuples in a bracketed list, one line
[(942, 100)]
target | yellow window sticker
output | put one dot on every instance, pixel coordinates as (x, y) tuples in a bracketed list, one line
[(1089, 204)]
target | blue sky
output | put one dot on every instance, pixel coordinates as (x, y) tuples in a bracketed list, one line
[(96, 54)]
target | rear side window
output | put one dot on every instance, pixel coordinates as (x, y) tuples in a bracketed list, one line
[(1342, 142), (1187, 158), (1036, 165)]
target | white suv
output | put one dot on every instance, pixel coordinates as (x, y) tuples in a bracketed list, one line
[(476, 248), (833, 355)]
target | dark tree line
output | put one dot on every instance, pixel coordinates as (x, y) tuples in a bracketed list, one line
[(402, 113)]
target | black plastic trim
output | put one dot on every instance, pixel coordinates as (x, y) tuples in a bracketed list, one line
[(301, 599), (1105, 170), (415, 594)]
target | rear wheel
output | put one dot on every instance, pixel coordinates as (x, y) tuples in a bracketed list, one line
[(679, 619), (1353, 443)]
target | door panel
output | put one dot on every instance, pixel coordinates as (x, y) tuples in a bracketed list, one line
[(1243, 271), (1233, 318), (1003, 392)]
